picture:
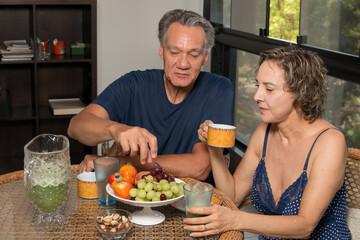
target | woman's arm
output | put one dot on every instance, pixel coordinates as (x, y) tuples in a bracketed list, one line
[(237, 187), (326, 176)]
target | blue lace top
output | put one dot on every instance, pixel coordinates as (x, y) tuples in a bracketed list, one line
[(332, 224)]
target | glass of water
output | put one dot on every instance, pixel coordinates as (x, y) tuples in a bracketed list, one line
[(104, 168)]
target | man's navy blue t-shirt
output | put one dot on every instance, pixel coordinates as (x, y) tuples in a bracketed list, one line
[(139, 99)]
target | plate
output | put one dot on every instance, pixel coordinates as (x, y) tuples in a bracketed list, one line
[(146, 216), (180, 204)]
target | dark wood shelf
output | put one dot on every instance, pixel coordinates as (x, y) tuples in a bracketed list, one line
[(20, 114), (31, 83)]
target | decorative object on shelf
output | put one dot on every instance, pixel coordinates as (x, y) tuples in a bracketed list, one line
[(59, 47), (66, 106), (79, 48), (42, 49)]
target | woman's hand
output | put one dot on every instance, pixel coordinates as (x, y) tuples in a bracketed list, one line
[(203, 130), (218, 219)]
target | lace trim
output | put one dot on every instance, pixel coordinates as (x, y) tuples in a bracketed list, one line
[(266, 199)]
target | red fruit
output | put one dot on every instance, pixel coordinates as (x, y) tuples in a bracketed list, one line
[(159, 177), (121, 187), (111, 179), (139, 175), (128, 172), (162, 197)]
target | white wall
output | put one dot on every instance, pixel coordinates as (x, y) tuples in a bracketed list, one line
[(127, 35)]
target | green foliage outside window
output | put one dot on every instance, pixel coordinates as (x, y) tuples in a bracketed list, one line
[(284, 19), (350, 26)]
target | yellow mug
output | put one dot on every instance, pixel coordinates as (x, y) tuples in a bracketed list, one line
[(221, 135), (87, 187)]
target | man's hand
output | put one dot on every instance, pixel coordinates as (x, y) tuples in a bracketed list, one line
[(87, 165), (92, 126), (132, 140)]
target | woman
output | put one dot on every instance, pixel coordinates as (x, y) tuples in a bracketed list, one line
[(295, 162)]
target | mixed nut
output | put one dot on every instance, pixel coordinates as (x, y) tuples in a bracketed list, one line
[(113, 223)]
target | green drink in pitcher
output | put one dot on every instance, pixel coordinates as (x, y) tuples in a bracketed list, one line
[(49, 199)]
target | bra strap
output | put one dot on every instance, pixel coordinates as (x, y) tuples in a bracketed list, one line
[(265, 139), (312, 146)]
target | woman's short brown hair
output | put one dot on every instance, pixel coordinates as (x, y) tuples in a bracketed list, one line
[(305, 74)]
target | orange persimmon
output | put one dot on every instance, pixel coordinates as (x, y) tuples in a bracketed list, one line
[(128, 171), (121, 187)]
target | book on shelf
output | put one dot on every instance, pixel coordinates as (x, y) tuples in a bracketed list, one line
[(16, 45), (16, 59), (66, 106), (22, 55), (4, 51)]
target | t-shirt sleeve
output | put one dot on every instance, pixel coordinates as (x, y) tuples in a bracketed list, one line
[(116, 98)]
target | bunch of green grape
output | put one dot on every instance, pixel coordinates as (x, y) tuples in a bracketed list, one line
[(149, 189)]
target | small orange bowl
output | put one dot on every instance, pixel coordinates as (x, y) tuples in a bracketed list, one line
[(215, 200)]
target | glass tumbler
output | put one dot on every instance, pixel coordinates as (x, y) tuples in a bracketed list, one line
[(47, 177)]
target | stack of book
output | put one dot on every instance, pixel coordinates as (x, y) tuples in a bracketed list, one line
[(16, 50)]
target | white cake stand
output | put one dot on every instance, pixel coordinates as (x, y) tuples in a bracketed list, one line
[(146, 216)]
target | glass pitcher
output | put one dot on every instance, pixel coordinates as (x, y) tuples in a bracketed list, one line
[(47, 176)]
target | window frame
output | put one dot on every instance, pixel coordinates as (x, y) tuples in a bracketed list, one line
[(340, 65)]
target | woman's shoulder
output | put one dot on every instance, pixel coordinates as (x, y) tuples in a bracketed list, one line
[(328, 133), (330, 142)]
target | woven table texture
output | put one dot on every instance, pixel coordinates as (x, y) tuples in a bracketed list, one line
[(17, 213), (352, 178)]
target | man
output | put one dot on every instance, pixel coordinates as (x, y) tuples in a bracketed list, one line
[(154, 115)]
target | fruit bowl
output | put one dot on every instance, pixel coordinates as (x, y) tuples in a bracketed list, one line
[(146, 216)]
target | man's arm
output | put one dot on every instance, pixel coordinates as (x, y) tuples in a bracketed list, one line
[(195, 164), (90, 126), (93, 126)]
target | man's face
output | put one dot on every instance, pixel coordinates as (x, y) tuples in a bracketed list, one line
[(183, 54)]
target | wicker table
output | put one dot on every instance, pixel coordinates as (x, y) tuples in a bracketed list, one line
[(16, 214)]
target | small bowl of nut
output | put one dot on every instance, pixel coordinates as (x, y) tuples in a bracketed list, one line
[(113, 223)]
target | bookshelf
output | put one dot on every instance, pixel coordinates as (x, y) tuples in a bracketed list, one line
[(32, 83)]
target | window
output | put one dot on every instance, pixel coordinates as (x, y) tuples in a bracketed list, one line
[(332, 24), (343, 108), (284, 19), (331, 28), (248, 15), (246, 110)]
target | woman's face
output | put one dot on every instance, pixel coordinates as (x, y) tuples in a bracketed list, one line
[(274, 100)]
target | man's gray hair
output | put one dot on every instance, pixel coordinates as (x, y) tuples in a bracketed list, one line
[(188, 19)]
